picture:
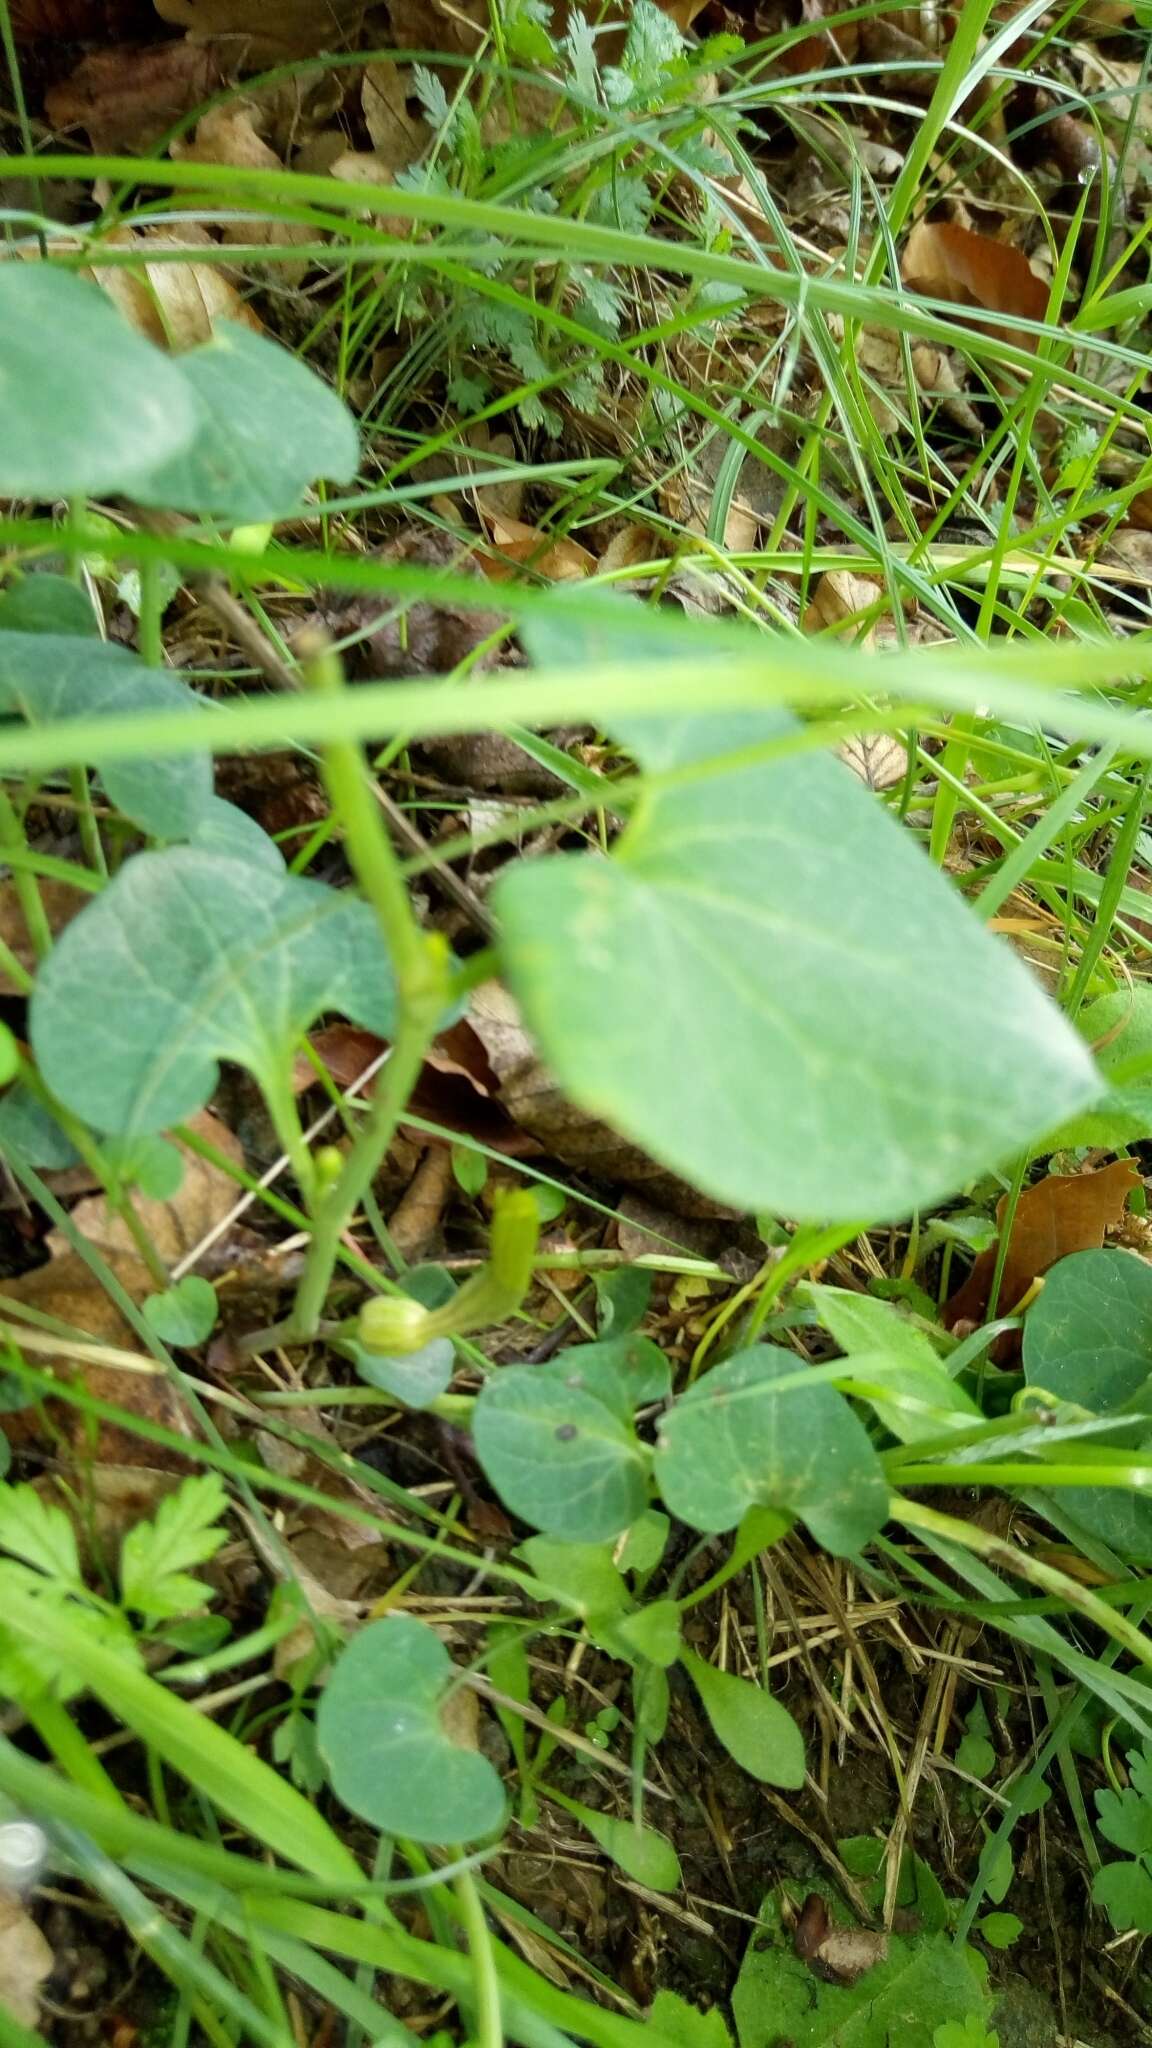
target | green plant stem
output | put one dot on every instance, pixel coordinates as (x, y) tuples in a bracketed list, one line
[(995, 1551), (23, 881), (488, 2021), (420, 964)]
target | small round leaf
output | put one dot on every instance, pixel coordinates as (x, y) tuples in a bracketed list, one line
[(385, 1748)]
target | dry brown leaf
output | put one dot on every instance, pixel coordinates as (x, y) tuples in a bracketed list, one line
[(80, 20), (398, 135), (67, 1290), (176, 305), (25, 1960), (129, 96), (936, 377), (267, 30), (228, 135), (535, 1101), (946, 261), (203, 1199), (839, 599), (631, 547), (361, 167), (62, 902), (557, 557), (1062, 1213), (877, 758)]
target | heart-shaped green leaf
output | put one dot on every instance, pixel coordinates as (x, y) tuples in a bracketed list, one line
[(384, 1745), (735, 1440), (188, 958), (269, 426), (1088, 1339), (558, 1457), (87, 404), (184, 1314), (753, 1727), (769, 987), (45, 603), (1088, 1336), (46, 676), (925, 1397)]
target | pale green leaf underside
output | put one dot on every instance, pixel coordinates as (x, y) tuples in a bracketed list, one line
[(733, 1442), (771, 990), (87, 405), (268, 427), (186, 959), (47, 676)]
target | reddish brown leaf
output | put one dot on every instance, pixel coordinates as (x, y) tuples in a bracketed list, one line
[(1063, 1213), (946, 261)]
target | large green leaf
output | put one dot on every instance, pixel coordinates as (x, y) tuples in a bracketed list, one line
[(46, 676), (558, 1456), (87, 405), (769, 987), (388, 1755), (735, 1440), (1088, 1339), (269, 426), (188, 958)]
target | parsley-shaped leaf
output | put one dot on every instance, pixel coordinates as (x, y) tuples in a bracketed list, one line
[(40, 1534), (154, 1579)]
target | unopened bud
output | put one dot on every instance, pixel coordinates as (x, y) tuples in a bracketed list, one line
[(393, 1325)]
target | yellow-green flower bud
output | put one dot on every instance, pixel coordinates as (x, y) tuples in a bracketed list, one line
[(394, 1325)]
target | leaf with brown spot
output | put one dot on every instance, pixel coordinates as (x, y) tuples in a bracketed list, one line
[(1062, 1213), (945, 261)]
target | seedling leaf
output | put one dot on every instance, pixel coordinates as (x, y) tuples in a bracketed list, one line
[(46, 676), (753, 1727), (383, 1744)]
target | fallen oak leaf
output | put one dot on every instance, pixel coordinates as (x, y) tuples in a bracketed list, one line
[(1062, 1213), (946, 261)]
